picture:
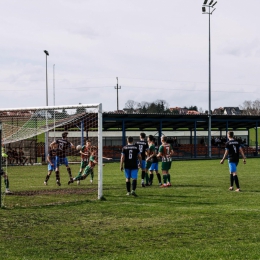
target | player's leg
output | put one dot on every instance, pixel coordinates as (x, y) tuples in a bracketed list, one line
[(164, 174), (142, 166), (57, 170), (134, 176), (50, 169), (83, 165), (127, 181), (6, 181), (68, 168), (91, 177), (47, 177), (233, 176), (168, 174), (149, 168), (157, 173)]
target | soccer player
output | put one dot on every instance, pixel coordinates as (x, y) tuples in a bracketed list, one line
[(152, 157), (88, 170), (165, 152), (51, 159), (4, 174), (85, 153), (129, 163), (63, 145), (142, 146), (232, 150)]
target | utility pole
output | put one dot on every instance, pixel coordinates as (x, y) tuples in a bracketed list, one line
[(117, 87)]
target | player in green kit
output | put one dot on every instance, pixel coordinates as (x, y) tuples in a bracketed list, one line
[(165, 152), (154, 160), (4, 174), (85, 153), (87, 171)]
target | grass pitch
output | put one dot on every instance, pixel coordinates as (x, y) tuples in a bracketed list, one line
[(196, 218)]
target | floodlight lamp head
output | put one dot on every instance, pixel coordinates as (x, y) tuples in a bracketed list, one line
[(210, 3), (205, 2), (214, 4), (46, 52), (203, 9)]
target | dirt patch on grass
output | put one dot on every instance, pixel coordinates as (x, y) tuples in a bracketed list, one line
[(54, 191)]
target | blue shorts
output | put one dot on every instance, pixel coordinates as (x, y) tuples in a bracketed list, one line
[(154, 167), (52, 168), (60, 161), (131, 173), (143, 163), (232, 166)]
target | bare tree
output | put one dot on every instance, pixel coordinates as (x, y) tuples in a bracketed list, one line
[(250, 107), (130, 106)]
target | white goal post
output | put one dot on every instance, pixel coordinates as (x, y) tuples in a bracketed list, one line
[(20, 124)]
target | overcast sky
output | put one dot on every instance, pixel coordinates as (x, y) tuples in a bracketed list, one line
[(157, 49)]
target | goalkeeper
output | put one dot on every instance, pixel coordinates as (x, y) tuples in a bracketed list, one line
[(4, 174)]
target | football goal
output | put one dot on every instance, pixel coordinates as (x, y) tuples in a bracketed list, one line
[(34, 128)]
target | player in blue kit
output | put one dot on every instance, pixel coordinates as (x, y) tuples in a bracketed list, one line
[(130, 159), (232, 150), (143, 146)]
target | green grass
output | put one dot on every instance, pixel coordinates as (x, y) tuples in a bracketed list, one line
[(196, 218)]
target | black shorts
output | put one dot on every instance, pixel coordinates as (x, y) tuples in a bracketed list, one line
[(2, 172)]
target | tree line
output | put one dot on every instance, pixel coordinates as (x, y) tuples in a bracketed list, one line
[(161, 106), (158, 106)]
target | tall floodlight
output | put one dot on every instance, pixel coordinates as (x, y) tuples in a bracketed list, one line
[(46, 112), (209, 9)]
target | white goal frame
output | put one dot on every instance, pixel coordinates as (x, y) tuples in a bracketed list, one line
[(98, 108)]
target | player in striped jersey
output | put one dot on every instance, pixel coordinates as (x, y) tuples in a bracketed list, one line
[(85, 153), (142, 146), (61, 158), (165, 152)]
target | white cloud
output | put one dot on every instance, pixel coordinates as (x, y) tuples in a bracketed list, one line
[(157, 49)]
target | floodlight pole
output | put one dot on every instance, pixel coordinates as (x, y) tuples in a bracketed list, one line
[(46, 133), (209, 6)]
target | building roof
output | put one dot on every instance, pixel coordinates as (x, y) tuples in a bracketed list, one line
[(177, 122)]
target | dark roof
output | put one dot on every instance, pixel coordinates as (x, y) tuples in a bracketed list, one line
[(112, 121)]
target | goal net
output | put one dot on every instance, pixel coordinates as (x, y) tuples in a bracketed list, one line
[(34, 128)]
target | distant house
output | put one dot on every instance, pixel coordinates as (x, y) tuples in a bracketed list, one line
[(232, 111), (192, 112), (218, 111), (119, 112), (181, 111)]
